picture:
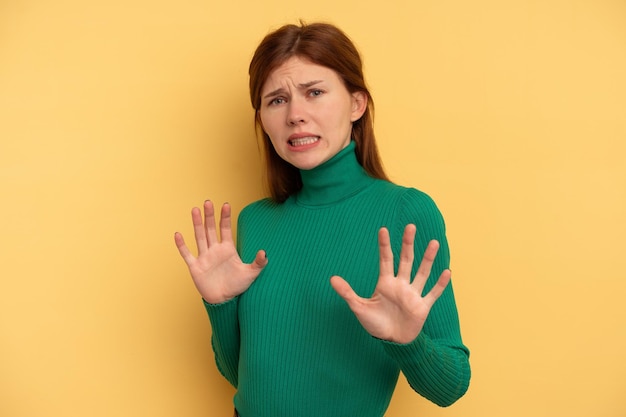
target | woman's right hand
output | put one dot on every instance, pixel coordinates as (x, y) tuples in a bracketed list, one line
[(218, 272)]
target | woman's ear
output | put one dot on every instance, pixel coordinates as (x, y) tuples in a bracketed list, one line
[(359, 105), (257, 116)]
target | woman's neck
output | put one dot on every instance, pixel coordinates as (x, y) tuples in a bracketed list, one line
[(336, 179)]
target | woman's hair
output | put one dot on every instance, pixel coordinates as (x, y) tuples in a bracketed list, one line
[(326, 45)]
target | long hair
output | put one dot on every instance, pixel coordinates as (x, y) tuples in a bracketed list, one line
[(326, 45)]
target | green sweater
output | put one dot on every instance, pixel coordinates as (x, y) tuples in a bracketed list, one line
[(290, 344)]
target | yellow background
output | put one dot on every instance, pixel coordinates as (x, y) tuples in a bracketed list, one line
[(116, 117)]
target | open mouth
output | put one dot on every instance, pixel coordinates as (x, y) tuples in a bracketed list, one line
[(303, 141)]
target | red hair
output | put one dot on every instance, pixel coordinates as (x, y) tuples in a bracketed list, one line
[(326, 45)]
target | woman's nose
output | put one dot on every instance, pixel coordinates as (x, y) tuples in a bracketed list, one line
[(296, 113)]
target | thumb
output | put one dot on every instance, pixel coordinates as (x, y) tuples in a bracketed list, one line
[(259, 261), (343, 289)]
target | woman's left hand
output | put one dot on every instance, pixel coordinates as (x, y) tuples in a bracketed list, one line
[(397, 310)]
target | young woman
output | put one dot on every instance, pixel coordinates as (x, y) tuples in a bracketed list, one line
[(321, 305)]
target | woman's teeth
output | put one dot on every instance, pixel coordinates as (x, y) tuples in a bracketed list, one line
[(303, 141)]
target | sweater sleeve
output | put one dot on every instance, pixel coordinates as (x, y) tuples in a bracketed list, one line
[(436, 363), (225, 337), (224, 317)]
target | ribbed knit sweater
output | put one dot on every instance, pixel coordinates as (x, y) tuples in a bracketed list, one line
[(290, 344)]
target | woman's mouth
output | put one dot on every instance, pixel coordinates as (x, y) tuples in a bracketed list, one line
[(308, 140)]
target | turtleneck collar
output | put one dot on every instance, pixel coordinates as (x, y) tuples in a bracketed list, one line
[(336, 179)]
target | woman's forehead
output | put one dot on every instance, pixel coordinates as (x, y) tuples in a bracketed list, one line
[(296, 71)]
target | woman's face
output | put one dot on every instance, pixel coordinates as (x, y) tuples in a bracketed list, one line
[(307, 112)]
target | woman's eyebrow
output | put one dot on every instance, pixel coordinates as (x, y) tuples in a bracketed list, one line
[(274, 93), (309, 84), (300, 86)]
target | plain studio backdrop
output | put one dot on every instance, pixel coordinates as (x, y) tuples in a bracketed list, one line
[(116, 117)]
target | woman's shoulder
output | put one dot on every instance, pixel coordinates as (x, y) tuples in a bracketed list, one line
[(264, 206), (412, 205), (405, 195)]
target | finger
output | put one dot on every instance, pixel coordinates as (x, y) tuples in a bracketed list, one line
[(385, 253), (226, 232), (345, 291), (423, 272), (209, 223), (440, 286), (182, 248), (198, 230), (259, 261), (406, 254)]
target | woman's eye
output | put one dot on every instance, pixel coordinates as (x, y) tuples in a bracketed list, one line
[(276, 101), (316, 93)]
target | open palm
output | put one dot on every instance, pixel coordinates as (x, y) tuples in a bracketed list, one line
[(217, 271), (396, 311)]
